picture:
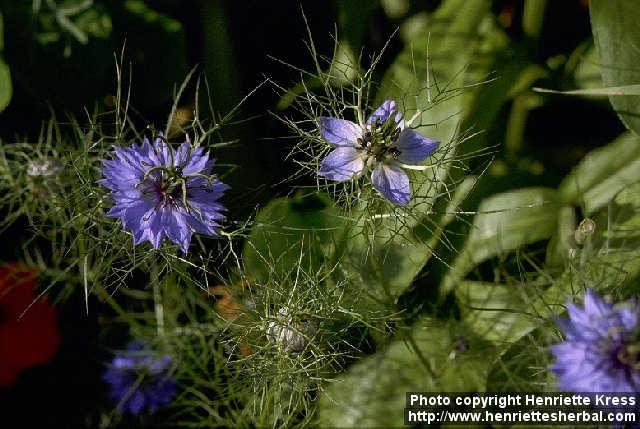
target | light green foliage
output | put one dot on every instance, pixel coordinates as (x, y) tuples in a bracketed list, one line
[(602, 174), (385, 254), (617, 39), (292, 232), (431, 356), (504, 223)]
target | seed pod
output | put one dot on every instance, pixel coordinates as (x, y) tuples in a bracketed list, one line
[(586, 229), (291, 336)]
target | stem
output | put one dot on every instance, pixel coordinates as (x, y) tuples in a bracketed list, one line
[(533, 17), (157, 297), (83, 269)]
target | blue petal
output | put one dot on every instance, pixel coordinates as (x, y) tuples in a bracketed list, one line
[(339, 132), (176, 228), (414, 148), (382, 113), (342, 164), (136, 402), (197, 162), (155, 228), (392, 182), (596, 307)]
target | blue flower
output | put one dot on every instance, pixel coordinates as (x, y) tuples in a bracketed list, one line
[(601, 352), (163, 192), (139, 379), (382, 144)]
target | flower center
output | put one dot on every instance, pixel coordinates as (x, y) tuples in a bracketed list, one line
[(629, 355), (167, 184), (377, 141)]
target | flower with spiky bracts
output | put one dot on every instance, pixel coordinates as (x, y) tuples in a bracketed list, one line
[(384, 144), (164, 192), (601, 352), (139, 379)]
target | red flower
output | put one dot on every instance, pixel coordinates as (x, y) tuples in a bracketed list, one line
[(28, 335)]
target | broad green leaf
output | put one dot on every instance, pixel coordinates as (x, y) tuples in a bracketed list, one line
[(432, 357), (608, 262), (495, 312), (617, 37), (602, 174), (150, 16), (504, 223), (95, 22), (288, 231), (387, 262), (6, 88), (507, 314)]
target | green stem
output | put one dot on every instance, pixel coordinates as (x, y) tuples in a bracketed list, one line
[(157, 297), (533, 17), (516, 126)]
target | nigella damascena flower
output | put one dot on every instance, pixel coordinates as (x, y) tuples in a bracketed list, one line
[(383, 144), (139, 379), (601, 352), (163, 192)]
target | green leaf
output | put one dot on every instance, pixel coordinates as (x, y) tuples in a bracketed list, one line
[(388, 262), (602, 174), (289, 232), (448, 43), (523, 367), (493, 311), (428, 358), (6, 88), (612, 91), (617, 37), (504, 223), (610, 260)]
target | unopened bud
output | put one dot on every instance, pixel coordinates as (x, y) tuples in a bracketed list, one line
[(586, 229)]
